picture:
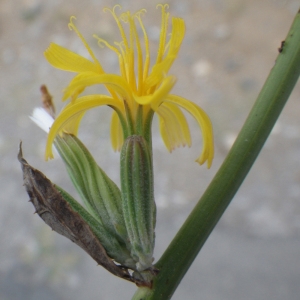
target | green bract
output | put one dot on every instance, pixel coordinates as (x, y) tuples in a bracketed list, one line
[(123, 221), (138, 199), (100, 194)]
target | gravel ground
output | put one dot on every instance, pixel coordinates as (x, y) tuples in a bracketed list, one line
[(229, 49)]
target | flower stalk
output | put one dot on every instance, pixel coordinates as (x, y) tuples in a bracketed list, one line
[(187, 243)]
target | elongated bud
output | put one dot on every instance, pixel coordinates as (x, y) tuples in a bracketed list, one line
[(138, 199), (68, 218), (112, 246), (100, 194)]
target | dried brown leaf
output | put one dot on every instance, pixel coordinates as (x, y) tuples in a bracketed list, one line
[(48, 104), (58, 214)]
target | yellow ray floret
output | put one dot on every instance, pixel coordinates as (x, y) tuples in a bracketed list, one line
[(173, 126), (70, 116), (137, 92), (64, 59)]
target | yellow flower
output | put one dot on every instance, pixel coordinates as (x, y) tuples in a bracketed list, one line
[(137, 93)]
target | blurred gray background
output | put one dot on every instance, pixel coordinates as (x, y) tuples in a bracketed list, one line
[(229, 49)]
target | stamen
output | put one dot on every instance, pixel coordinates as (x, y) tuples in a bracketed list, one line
[(139, 56), (73, 27), (128, 56), (105, 9), (102, 43), (122, 60), (121, 29), (163, 6), (126, 17), (163, 31), (146, 40)]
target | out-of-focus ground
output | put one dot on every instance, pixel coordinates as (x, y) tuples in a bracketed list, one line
[(229, 49)]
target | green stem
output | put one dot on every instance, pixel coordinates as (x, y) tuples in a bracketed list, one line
[(189, 240)]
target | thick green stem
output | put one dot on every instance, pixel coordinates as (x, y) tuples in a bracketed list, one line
[(189, 240)]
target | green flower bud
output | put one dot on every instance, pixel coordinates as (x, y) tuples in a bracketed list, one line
[(100, 194), (138, 199), (112, 246)]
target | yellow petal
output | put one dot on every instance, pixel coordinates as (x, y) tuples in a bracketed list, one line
[(72, 26), (115, 82), (72, 112), (159, 95), (64, 59), (174, 127), (158, 72), (163, 66), (116, 132), (204, 122), (168, 134), (73, 124), (177, 35)]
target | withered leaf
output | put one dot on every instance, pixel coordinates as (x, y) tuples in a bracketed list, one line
[(59, 215), (48, 104)]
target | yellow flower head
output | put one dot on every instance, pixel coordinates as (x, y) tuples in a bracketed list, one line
[(137, 93)]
